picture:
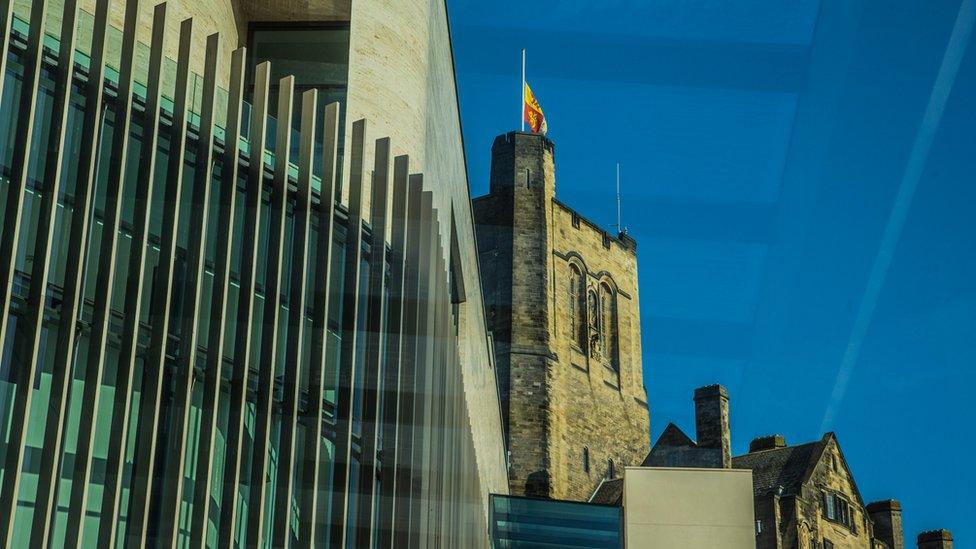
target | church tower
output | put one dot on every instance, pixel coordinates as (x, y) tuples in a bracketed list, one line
[(562, 304)]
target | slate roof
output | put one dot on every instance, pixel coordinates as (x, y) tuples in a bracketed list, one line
[(609, 492), (788, 467)]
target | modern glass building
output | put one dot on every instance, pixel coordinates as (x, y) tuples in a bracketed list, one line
[(521, 522), (235, 312)]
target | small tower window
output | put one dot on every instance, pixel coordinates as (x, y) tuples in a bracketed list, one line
[(576, 306), (611, 472), (586, 459)]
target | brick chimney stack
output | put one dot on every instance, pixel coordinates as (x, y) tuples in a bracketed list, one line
[(712, 421)]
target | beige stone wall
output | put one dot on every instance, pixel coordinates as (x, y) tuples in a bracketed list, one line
[(666, 508), (596, 405), (401, 79)]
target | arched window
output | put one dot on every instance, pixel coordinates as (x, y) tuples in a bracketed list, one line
[(577, 306), (611, 472), (608, 324), (586, 459)]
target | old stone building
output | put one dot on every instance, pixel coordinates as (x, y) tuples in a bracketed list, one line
[(562, 303), (805, 495)]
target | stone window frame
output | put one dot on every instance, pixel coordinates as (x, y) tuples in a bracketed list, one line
[(837, 509), (609, 324), (577, 295)]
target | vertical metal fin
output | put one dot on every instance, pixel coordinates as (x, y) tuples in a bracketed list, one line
[(394, 362), (264, 389), (309, 522), (115, 463), (417, 529), (22, 370), (183, 387), (243, 344), (144, 490), (87, 161), (375, 337), (347, 359), (281, 532), (95, 361), (403, 497), (47, 474), (212, 376), (6, 21)]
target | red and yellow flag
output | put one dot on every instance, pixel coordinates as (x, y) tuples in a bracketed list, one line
[(532, 112)]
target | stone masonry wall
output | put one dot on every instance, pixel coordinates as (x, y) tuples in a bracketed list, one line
[(514, 246), (599, 400), (557, 397)]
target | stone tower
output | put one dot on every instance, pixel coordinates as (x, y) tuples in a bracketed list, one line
[(886, 516), (562, 303)]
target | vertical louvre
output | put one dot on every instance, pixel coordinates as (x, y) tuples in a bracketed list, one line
[(404, 461), (172, 492), (25, 360), (133, 293), (397, 427), (14, 209), (281, 533), (394, 363), (23, 371), (347, 360), (242, 342), (104, 282), (375, 337), (309, 519), (144, 489), (37, 305), (421, 414), (218, 306), (87, 161), (264, 398)]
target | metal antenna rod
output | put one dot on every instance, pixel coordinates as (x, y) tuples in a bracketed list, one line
[(620, 228)]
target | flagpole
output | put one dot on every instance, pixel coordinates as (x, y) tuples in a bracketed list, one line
[(522, 94), (619, 226)]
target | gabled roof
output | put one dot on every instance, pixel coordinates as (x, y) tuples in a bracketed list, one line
[(673, 436), (790, 467), (609, 492), (787, 467)]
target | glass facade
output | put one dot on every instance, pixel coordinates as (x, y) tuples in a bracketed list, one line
[(519, 522), (197, 347)]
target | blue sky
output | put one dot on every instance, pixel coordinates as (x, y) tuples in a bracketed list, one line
[(800, 179)]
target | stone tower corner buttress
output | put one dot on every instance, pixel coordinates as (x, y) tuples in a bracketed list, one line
[(515, 250)]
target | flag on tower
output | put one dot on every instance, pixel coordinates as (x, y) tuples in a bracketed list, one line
[(532, 112)]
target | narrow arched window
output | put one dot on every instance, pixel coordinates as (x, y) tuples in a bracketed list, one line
[(576, 306), (611, 471), (608, 324), (586, 459)]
